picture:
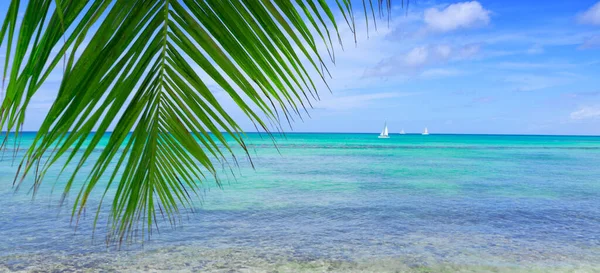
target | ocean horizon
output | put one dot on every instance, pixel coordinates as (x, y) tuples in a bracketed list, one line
[(370, 133)]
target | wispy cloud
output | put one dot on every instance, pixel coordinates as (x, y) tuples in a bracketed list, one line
[(351, 102), (529, 82), (536, 49), (591, 42), (575, 95), (480, 101), (455, 16), (483, 99), (474, 102), (416, 59), (586, 112), (441, 73), (515, 65), (591, 16)]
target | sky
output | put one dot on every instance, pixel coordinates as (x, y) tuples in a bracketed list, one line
[(487, 66)]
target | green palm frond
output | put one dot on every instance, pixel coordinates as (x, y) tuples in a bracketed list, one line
[(145, 66)]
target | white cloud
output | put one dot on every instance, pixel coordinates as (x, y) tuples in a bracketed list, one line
[(418, 58), (423, 55), (591, 42), (586, 112), (590, 16), (459, 15)]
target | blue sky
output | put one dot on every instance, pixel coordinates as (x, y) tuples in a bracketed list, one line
[(488, 66), (472, 67)]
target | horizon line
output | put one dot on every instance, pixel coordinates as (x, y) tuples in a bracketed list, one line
[(374, 133)]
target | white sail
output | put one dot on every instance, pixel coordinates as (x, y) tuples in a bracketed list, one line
[(425, 132), (384, 133), (402, 132)]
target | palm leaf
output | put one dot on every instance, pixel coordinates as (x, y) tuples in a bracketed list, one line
[(145, 66)]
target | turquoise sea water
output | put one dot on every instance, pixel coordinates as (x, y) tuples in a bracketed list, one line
[(349, 202)]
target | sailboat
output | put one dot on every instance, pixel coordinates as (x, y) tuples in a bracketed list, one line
[(402, 132), (425, 132), (384, 133)]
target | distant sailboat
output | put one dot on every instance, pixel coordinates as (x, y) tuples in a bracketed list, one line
[(384, 133), (425, 132), (402, 132)]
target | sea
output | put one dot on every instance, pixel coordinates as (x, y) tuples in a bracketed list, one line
[(340, 202)]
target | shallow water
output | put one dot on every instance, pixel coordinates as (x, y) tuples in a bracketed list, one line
[(349, 202)]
